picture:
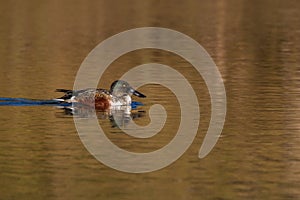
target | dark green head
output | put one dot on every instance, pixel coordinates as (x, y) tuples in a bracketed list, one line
[(120, 88)]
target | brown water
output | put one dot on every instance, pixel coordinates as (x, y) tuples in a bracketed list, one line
[(256, 45)]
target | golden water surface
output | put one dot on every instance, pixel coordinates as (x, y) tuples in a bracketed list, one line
[(256, 46)]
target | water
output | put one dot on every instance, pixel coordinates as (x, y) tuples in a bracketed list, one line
[(256, 47)]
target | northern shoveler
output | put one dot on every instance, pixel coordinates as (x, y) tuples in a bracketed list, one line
[(119, 94)]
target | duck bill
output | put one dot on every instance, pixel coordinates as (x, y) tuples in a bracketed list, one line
[(138, 94)]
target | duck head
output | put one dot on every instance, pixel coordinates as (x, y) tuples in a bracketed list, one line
[(120, 88)]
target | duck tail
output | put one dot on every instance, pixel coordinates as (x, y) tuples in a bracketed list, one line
[(68, 94)]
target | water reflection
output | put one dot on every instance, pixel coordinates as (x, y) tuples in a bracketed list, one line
[(119, 116)]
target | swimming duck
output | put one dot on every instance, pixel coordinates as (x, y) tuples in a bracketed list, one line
[(119, 94)]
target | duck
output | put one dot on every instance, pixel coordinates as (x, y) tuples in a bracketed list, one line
[(119, 94)]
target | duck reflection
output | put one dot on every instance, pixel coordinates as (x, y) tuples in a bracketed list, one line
[(119, 116)]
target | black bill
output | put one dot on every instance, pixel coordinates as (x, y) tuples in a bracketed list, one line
[(138, 94)]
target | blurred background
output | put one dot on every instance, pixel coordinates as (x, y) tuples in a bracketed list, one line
[(256, 46)]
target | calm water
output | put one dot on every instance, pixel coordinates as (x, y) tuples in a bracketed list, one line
[(256, 45)]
